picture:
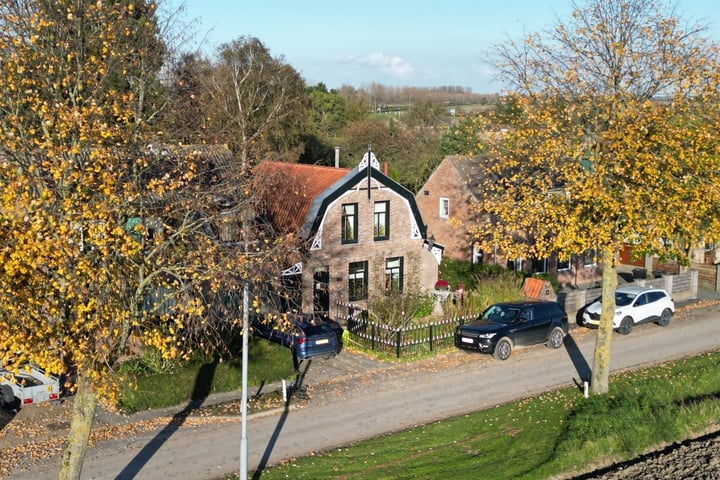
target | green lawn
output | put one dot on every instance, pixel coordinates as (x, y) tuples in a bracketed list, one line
[(268, 362), (536, 438)]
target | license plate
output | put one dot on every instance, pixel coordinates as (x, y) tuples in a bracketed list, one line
[(322, 341), (467, 340)]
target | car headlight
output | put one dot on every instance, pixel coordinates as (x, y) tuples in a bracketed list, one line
[(486, 335)]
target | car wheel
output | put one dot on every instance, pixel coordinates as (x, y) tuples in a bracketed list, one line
[(503, 349), (556, 337), (580, 317), (626, 326), (7, 397), (665, 317)]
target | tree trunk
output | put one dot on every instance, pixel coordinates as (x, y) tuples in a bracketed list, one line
[(601, 359), (83, 414)]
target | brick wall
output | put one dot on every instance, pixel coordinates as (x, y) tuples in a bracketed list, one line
[(419, 267), (450, 232)]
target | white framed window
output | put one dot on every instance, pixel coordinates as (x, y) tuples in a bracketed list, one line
[(444, 207), (539, 265), (515, 265), (563, 264)]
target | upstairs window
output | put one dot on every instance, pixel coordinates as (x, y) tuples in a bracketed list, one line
[(444, 207), (394, 274), (357, 281), (349, 223), (381, 224)]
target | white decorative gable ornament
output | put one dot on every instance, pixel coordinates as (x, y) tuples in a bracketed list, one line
[(369, 156)]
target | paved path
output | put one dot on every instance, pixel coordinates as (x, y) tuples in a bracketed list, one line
[(372, 398)]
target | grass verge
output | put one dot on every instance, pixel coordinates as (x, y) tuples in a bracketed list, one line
[(267, 363), (555, 433)]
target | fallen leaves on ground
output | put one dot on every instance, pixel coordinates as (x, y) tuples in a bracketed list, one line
[(38, 433)]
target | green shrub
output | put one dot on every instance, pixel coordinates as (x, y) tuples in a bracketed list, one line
[(457, 272), (486, 286)]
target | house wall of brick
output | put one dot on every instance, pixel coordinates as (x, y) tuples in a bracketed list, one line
[(451, 232), (420, 269)]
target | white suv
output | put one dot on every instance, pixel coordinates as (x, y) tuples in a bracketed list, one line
[(634, 305)]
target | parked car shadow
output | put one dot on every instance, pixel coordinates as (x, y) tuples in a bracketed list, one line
[(581, 365), (201, 390)]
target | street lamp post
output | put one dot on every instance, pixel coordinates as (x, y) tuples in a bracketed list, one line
[(243, 397)]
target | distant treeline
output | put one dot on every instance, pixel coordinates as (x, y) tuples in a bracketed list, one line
[(378, 94)]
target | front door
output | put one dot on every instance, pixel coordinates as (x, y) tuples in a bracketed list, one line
[(626, 257), (321, 290)]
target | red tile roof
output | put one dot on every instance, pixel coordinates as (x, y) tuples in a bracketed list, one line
[(289, 189)]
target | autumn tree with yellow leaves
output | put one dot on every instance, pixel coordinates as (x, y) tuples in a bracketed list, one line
[(611, 134), (107, 240)]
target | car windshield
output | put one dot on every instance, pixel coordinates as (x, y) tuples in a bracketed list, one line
[(501, 314), (622, 299)]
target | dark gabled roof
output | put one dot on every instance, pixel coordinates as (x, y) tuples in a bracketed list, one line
[(296, 196), (470, 172)]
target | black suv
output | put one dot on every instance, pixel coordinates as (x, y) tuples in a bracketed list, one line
[(504, 325)]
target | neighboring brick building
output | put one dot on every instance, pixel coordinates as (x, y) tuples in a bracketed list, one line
[(444, 202), (359, 241)]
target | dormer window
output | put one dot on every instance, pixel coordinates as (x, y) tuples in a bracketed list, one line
[(349, 223)]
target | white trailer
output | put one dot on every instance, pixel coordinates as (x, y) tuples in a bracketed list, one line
[(28, 385)]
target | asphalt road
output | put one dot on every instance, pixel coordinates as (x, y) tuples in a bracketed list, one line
[(373, 398)]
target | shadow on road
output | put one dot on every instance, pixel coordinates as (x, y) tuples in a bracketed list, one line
[(581, 366), (297, 387), (203, 383)]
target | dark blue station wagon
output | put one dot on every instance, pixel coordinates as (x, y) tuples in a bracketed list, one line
[(307, 335)]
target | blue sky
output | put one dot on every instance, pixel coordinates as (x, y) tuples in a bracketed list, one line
[(418, 43)]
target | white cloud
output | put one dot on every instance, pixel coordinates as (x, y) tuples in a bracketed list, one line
[(392, 65)]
